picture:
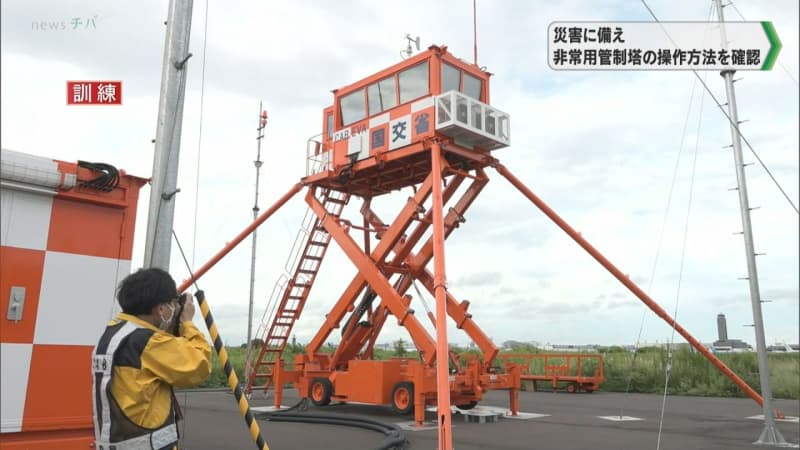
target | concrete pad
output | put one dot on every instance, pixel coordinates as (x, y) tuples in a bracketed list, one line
[(506, 413), (269, 409), (785, 419), (524, 416), (485, 412), (412, 425), (479, 414), (620, 418)]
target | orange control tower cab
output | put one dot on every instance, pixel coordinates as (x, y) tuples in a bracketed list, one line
[(379, 126)]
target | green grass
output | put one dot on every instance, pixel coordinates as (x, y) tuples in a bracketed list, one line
[(692, 373)]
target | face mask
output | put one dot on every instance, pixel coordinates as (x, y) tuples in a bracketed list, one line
[(165, 323)]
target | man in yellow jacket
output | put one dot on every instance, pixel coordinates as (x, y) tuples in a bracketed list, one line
[(138, 361)]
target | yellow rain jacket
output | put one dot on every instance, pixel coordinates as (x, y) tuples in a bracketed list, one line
[(135, 367)]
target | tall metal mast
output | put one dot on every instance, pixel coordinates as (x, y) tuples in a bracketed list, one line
[(770, 435), (262, 123), (163, 185)]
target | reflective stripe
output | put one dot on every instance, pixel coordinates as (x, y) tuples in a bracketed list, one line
[(155, 440), (105, 428)]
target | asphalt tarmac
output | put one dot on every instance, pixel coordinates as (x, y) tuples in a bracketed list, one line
[(568, 421)]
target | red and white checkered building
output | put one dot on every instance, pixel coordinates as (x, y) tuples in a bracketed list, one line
[(65, 247)]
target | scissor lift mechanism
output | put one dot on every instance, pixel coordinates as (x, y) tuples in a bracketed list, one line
[(384, 275)]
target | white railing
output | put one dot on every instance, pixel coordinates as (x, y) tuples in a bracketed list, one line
[(472, 121), (317, 160)]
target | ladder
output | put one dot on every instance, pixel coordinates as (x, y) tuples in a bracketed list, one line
[(303, 264)]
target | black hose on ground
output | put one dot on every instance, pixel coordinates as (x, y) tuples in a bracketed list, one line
[(393, 437), (302, 405)]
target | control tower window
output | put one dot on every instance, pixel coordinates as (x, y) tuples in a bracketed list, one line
[(454, 79), (382, 95), (451, 78), (414, 82), (472, 86), (352, 106)]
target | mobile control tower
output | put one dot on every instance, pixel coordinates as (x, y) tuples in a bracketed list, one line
[(420, 123)]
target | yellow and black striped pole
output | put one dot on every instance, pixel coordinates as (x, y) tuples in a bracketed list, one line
[(233, 380)]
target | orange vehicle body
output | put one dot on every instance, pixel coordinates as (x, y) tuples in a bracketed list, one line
[(65, 246), (571, 371)]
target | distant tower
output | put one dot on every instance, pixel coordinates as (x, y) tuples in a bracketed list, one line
[(722, 328)]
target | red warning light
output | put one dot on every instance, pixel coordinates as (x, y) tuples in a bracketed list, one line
[(263, 118)]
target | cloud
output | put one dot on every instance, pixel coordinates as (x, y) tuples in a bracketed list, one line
[(480, 279)]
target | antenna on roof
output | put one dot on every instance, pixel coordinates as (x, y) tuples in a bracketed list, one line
[(475, 32), (408, 51)]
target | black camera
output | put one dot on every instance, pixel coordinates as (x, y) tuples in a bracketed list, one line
[(177, 318)]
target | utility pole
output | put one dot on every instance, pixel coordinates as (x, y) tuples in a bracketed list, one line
[(163, 185), (262, 123), (770, 435)]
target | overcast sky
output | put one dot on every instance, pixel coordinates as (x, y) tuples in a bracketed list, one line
[(600, 148)]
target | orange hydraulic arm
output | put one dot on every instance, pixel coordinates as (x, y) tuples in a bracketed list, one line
[(377, 281), (418, 262), (357, 285), (638, 292), (458, 311), (392, 239), (358, 336)]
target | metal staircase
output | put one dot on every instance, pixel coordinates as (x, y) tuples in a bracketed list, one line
[(290, 294)]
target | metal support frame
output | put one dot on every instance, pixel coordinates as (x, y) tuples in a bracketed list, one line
[(389, 239), (415, 267), (377, 280), (415, 264), (770, 435)]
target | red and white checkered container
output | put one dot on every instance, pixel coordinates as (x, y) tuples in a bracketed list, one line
[(66, 244)]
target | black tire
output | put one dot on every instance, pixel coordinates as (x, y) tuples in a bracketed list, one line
[(320, 391), (467, 406), (572, 388), (403, 398)]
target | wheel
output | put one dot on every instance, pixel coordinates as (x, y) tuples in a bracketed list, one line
[(467, 406), (320, 391), (572, 388), (403, 397)]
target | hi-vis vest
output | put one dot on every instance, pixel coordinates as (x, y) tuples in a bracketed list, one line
[(113, 429)]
